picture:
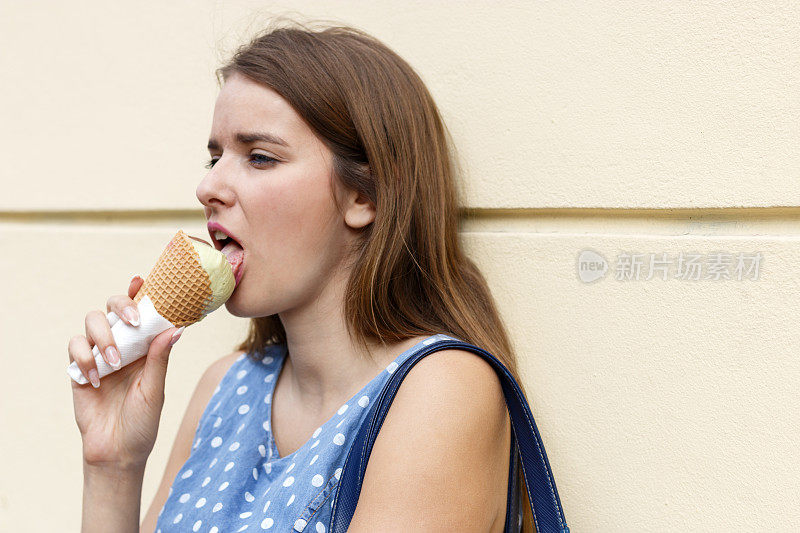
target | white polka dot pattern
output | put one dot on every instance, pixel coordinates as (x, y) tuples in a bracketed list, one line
[(257, 489)]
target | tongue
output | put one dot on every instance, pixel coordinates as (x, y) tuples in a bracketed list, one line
[(235, 255)]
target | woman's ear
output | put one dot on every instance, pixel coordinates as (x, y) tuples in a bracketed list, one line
[(359, 210)]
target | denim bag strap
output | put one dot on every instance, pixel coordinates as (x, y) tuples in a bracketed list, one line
[(548, 514)]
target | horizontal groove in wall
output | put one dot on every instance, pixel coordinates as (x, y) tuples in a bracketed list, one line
[(779, 221), (135, 217)]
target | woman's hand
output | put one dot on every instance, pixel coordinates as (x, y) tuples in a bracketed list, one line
[(118, 419)]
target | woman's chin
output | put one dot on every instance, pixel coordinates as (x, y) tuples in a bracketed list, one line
[(233, 305), (238, 308)]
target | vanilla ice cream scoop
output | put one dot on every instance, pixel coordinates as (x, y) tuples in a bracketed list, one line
[(221, 273), (190, 280)]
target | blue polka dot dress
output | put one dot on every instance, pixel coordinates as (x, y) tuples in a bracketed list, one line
[(234, 479)]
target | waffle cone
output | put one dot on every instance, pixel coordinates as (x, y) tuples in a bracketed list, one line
[(178, 285)]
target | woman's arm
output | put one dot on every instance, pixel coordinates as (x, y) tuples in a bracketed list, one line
[(111, 499), (440, 460)]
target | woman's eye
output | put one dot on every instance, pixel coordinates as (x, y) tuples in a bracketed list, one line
[(258, 159), (262, 159)]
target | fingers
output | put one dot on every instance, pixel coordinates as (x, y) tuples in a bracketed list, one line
[(98, 331), (136, 284), (155, 367), (125, 307), (81, 353)]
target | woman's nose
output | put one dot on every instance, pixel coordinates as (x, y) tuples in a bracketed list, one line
[(213, 189)]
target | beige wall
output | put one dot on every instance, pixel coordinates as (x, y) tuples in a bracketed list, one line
[(622, 127)]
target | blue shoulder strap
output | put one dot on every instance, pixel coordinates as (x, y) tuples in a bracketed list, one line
[(548, 515)]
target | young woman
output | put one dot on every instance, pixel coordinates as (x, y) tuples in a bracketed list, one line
[(331, 167)]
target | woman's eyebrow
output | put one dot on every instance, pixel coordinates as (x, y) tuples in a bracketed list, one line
[(251, 137)]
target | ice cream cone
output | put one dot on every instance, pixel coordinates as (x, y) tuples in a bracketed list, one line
[(178, 285), (189, 280)]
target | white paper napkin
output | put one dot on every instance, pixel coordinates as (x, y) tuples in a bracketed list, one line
[(132, 342)]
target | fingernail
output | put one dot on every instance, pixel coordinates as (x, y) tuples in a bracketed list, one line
[(132, 315), (94, 378), (112, 355), (176, 335)]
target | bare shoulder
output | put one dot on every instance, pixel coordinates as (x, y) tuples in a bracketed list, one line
[(459, 381), (216, 370), (440, 460), (206, 385)]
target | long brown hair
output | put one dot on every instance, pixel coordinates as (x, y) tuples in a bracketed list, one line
[(409, 273)]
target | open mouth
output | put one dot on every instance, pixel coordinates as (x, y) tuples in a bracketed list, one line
[(233, 252), (235, 255)]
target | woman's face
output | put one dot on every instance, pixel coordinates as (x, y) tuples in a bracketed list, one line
[(275, 199)]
